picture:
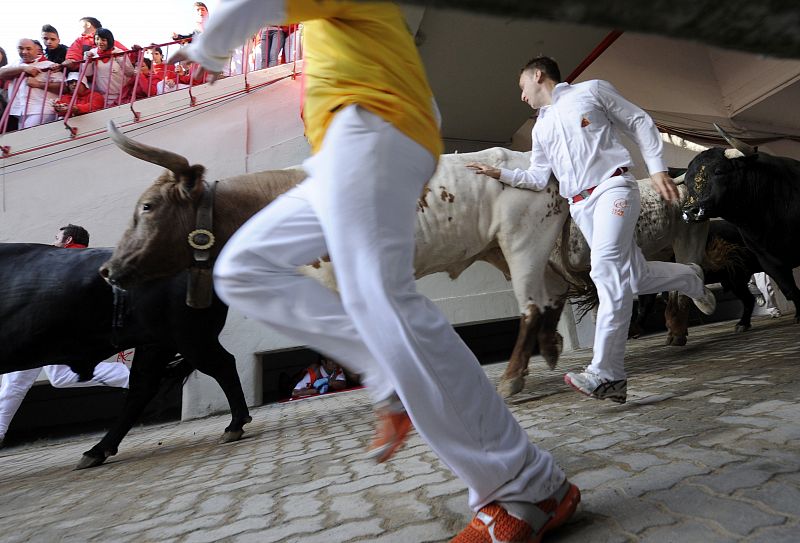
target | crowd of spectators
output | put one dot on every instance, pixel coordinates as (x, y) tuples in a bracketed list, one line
[(54, 81)]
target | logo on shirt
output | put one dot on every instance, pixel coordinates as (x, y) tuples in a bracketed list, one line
[(585, 122), (619, 207)]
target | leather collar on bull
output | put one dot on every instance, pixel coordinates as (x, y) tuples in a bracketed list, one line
[(200, 289)]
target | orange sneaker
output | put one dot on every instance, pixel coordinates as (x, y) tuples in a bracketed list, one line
[(392, 430), (493, 524)]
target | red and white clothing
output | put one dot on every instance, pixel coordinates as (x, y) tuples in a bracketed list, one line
[(86, 103), (312, 374), (110, 74), (35, 106), (86, 43), (576, 138)]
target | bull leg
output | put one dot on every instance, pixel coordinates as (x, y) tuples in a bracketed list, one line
[(146, 374), (645, 305), (741, 291), (513, 379), (550, 342), (676, 316), (216, 362)]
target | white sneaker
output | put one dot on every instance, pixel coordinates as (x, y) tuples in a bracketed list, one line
[(706, 303), (774, 312), (603, 389)]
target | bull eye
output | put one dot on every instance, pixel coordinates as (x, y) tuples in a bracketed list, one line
[(146, 207)]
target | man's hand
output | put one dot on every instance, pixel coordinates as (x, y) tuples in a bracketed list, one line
[(31, 71), (665, 186), (34, 83), (198, 72), (484, 169)]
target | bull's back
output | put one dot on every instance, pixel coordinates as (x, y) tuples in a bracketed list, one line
[(53, 303)]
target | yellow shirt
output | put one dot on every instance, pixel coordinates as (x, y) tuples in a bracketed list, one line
[(355, 53)]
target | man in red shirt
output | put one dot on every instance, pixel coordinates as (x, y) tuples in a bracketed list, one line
[(85, 43), (85, 102)]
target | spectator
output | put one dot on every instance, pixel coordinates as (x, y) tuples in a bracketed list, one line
[(86, 101), (3, 91), (294, 39), (55, 51), (110, 71), (272, 42), (146, 84), (321, 377), (85, 43), (39, 48), (15, 385), (32, 104), (766, 286), (200, 22)]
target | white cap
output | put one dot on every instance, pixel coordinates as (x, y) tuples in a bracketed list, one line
[(73, 76)]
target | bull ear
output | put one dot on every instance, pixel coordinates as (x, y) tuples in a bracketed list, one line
[(737, 144), (190, 182)]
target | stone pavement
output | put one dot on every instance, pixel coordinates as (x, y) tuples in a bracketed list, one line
[(707, 449)]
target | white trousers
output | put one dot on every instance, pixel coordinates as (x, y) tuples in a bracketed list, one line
[(607, 220), (27, 121), (358, 205), (767, 287), (15, 385)]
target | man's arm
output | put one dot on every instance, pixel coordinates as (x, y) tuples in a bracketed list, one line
[(535, 177), (639, 126), (11, 72)]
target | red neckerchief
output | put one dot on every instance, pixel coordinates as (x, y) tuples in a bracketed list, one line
[(75, 246)]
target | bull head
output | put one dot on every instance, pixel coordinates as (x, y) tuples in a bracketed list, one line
[(164, 216)]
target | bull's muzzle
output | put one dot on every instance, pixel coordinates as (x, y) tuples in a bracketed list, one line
[(694, 214)]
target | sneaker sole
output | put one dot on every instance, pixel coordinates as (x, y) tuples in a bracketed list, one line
[(615, 399), (384, 453), (563, 514)]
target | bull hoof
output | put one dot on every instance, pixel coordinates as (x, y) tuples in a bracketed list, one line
[(87, 461), (508, 387), (551, 350), (676, 341), (231, 435), (742, 328)]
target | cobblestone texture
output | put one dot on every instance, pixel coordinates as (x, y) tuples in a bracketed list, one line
[(707, 449)]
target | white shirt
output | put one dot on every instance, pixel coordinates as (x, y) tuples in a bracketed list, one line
[(37, 96), (109, 75), (576, 139)]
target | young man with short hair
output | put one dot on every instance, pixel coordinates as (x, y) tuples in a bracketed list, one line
[(576, 138), (54, 50)]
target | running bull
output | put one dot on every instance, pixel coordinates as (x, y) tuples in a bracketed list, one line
[(56, 309), (758, 193)]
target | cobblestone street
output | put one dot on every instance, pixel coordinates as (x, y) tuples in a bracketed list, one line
[(707, 449)]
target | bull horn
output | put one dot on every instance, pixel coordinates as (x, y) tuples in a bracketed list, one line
[(737, 144), (166, 159)]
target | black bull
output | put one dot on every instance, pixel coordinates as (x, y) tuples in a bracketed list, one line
[(56, 309), (760, 195)]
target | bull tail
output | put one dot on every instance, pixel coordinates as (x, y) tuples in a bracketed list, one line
[(724, 255), (582, 291)]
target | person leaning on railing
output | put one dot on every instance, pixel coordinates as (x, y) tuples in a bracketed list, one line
[(110, 71), (85, 101), (32, 102)]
